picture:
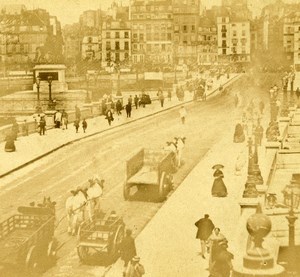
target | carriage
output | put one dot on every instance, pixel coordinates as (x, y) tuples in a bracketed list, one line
[(27, 240), (102, 235), (150, 169)]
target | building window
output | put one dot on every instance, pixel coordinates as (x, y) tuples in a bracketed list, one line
[(224, 51), (184, 28), (107, 34), (223, 35), (117, 34), (117, 45), (108, 56), (126, 56), (117, 57), (126, 34), (169, 36), (135, 36), (126, 45), (90, 39), (223, 19), (234, 33), (108, 45), (163, 47), (141, 37), (193, 28)]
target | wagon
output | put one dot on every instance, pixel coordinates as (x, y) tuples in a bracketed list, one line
[(102, 235), (151, 169), (27, 239)]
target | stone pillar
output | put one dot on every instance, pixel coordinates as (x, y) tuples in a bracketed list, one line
[(257, 260)]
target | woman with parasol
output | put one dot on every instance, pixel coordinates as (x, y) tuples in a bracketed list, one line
[(218, 189)]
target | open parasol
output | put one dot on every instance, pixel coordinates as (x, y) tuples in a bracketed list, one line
[(218, 166)]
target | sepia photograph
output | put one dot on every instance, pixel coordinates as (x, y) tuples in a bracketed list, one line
[(150, 138)]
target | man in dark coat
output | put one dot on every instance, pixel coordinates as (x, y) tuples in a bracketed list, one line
[(205, 227), (127, 249), (128, 109)]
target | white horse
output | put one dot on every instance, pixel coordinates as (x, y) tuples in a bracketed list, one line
[(94, 192), (180, 144), (75, 206)]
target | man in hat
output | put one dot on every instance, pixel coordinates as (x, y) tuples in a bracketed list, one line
[(205, 227), (135, 269), (127, 249)]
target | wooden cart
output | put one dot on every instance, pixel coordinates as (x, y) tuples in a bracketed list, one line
[(102, 235), (27, 239), (152, 169)]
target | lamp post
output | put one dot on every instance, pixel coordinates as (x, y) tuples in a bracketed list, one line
[(50, 104), (38, 81), (87, 99), (291, 193), (119, 82)]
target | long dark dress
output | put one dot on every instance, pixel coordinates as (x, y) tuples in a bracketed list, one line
[(219, 189), (239, 135), (10, 143)]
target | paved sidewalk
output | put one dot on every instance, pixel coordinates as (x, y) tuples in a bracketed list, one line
[(168, 245), (34, 147)]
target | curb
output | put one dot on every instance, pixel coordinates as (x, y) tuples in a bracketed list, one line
[(113, 127)]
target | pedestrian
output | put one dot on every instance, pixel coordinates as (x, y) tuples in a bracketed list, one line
[(135, 269), (214, 239), (15, 129), (64, 119), (298, 93), (222, 265), (119, 107), (239, 135), (258, 133), (161, 98), (109, 116), (76, 124), (84, 125), (136, 101), (130, 100), (10, 142), (57, 119), (218, 189), (183, 114), (127, 249), (77, 113), (25, 128), (205, 227), (42, 125), (128, 109)]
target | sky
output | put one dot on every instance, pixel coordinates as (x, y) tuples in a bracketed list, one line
[(68, 11)]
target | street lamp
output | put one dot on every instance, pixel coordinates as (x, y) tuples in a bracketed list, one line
[(50, 104), (87, 99), (119, 82), (38, 81), (292, 199)]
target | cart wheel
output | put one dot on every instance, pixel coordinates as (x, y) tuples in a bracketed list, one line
[(126, 191), (51, 250), (162, 186), (117, 241), (83, 253), (31, 259)]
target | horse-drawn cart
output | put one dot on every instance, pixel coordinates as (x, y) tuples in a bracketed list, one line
[(26, 239), (102, 235), (150, 169)]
